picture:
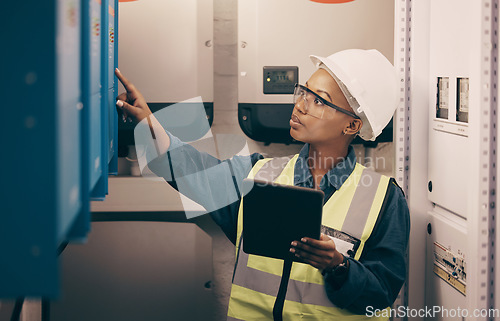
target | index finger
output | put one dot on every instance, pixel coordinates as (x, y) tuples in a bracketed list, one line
[(127, 84), (323, 244)]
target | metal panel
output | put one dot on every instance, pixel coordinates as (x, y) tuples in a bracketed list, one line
[(100, 190), (401, 120), (68, 114), (94, 26), (41, 140), (496, 118), (179, 63), (448, 231), (483, 186), (112, 121), (112, 85), (91, 86), (451, 57), (463, 37), (113, 163), (262, 45), (95, 140)]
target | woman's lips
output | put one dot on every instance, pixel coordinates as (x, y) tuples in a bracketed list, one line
[(295, 121)]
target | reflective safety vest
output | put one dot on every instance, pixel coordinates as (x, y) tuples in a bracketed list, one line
[(353, 209)]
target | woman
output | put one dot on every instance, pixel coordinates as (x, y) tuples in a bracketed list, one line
[(358, 266)]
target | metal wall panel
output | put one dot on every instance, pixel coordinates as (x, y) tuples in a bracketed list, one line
[(41, 199), (109, 83), (440, 281), (113, 142), (91, 87), (53, 139)]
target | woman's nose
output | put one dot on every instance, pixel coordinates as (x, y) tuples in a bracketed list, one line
[(300, 106)]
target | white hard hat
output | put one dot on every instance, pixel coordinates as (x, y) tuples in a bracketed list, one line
[(369, 82)]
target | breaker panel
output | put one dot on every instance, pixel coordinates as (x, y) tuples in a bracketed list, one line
[(453, 88), (446, 264), (450, 267)]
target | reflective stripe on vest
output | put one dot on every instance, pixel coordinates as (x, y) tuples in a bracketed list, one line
[(269, 283), (256, 279)]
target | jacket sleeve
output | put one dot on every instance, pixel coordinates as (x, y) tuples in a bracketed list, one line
[(375, 280), (213, 183)]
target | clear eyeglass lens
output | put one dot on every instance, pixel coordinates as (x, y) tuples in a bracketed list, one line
[(311, 104)]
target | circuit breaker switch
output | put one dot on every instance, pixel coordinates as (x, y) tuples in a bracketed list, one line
[(443, 93), (450, 267), (463, 100)]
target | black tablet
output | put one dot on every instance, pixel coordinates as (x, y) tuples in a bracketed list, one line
[(275, 215)]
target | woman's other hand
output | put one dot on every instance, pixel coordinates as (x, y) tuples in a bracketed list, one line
[(322, 253)]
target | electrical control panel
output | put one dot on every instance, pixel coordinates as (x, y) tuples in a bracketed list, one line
[(273, 33), (452, 90), (42, 143), (450, 266), (446, 262), (280, 80)]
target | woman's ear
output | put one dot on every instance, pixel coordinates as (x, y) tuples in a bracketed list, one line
[(353, 127)]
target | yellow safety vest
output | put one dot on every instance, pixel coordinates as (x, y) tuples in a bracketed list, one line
[(353, 209)]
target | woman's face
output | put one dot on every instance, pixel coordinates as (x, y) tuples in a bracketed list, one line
[(309, 129)]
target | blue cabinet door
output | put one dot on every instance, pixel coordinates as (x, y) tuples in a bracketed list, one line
[(42, 142)]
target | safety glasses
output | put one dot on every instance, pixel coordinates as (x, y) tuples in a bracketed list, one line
[(313, 104)]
